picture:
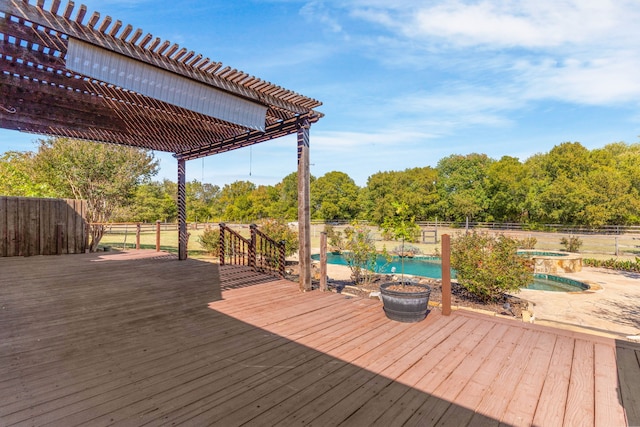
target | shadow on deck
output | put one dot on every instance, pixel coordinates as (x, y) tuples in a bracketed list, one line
[(136, 338)]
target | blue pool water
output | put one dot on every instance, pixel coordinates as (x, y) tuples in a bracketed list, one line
[(432, 267)]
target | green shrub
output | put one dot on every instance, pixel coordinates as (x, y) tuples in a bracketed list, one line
[(527, 243), (210, 240), (360, 253), (614, 264), (334, 237), (489, 266), (571, 244), (279, 230)]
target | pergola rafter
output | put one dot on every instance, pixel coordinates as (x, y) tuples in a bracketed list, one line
[(65, 72)]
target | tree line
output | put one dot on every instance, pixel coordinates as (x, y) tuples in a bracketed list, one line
[(570, 185)]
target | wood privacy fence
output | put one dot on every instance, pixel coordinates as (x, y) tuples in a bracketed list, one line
[(32, 226)]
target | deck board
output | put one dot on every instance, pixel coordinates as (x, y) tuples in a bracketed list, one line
[(140, 338)]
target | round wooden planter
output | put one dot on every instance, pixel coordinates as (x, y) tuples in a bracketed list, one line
[(405, 306)]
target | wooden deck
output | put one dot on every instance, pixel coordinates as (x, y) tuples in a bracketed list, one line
[(149, 340)]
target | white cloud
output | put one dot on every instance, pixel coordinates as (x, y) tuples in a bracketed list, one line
[(316, 11), (506, 23), (577, 51), (596, 81), (511, 23), (354, 142)]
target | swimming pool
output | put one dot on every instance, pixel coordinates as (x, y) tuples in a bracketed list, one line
[(432, 267)]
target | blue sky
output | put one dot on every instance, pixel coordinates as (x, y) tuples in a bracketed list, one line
[(406, 82)]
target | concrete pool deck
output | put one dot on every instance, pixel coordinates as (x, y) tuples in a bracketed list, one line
[(613, 310)]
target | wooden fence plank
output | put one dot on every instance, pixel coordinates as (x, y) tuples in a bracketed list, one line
[(3, 226), (23, 234), (33, 245), (12, 224), (70, 222), (48, 229), (30, 226)]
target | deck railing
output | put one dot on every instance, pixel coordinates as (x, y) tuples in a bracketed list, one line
[(259, 251)]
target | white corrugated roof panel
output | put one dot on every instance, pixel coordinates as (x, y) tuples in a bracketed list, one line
[(163, 85)]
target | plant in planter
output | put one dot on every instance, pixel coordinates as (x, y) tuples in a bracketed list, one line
[(403, 301), (336, 243), (360, 253)]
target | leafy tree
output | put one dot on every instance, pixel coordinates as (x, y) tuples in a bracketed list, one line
[(414, 187), (463, 186), (154, 201), (489, 266), (104, 175), (286, 203), (334, 196), (235, 203), (17, 170), (263, 202), (569, 159), (562, 201), (507, 187), (200, 198)]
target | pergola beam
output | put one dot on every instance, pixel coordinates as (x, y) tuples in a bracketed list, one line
[(166, 61), (51, 84)]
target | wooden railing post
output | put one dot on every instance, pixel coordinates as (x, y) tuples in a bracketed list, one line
[(281, 257), (446, 275), (138, 236), (323, 261), (158, 236), (221, 245), (260, 252), (252, 247)]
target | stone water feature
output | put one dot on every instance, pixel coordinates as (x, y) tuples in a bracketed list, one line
[(552, 262)]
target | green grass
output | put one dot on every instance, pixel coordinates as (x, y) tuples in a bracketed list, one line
[(168, 241)]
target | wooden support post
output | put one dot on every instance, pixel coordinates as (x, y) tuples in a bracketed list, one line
[(158, 236), (446, 275), (304, 204), (182, 210), (323, 261), (138, 236)]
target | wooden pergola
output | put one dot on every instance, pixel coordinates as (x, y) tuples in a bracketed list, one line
[(71, 74)]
